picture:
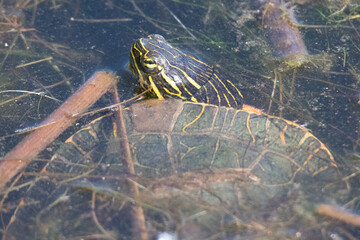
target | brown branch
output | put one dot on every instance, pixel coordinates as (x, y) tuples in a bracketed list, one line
[(339, 214), (19, 157), (106, 233), (137, 212)]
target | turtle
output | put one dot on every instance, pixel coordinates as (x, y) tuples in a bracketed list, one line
[(206, 165)]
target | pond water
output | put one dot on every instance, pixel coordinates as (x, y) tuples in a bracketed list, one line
[(297, 61)]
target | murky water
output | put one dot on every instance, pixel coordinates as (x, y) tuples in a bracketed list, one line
[(49, 48)]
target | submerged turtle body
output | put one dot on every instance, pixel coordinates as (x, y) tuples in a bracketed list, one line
[(199, 166), (173, 137)]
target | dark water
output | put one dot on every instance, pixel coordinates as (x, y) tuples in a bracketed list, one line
[(322, 94)]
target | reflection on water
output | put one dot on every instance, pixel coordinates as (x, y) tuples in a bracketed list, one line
[(85, 191)]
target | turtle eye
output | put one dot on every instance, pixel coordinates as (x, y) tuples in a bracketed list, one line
[(149, 63)]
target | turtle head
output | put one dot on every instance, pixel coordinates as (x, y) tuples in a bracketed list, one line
[(159, 66)]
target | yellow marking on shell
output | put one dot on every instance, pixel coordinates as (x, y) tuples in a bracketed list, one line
[(233, 120), (282, 135), (248, 127), (291, 181), (294, 124), (156, 90), (303, 139), (217, 92), (307, 135), (142, 137), (189, 149), (238, 161), (215, 151), (322, 146), (248, 108), (215, 116), (70, 140), (93, 134), (320, 170), (238, 91), (142, 166), (256, 162), (99, 119), (197, 118), (224, 120), (310, 156), (226, 90), (114, 129)]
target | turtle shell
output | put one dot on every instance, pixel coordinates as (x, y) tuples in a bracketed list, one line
[(202, 171)]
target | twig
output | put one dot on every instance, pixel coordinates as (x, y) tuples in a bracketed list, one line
[(147, 18), (281, 105), (29, 93), (53, 47), (110, 107), (17, 30), (34, 62), (96, 220), (177, 19), (339, 214), (54, 125), (273, 91), (137, 213), (100, 20)]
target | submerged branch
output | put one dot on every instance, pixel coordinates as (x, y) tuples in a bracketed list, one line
[(63, 117)]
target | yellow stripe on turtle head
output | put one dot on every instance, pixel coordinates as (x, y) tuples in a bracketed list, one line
[(141, 79), (192, 81), (156, 90), (170, 81)]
